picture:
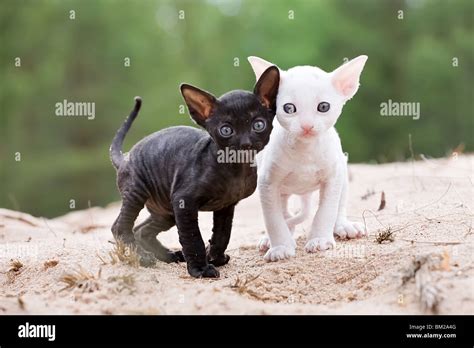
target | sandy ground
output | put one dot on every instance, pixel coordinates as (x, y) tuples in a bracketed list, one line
[(428, 207)]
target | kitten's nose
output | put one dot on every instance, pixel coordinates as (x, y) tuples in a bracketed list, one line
[(245, 143), (307, 128)]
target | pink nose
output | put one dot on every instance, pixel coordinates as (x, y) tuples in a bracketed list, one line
[(307, 128)]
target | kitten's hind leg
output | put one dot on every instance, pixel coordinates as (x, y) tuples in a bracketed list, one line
[(344, 228), (122, 228), (145, 235)]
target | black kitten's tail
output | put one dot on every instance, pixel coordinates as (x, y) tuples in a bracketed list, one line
[(116, 148)]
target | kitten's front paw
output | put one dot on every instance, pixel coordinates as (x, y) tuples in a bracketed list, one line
[(264, 244), (220, 260), (279, 252), (208, 271), (348, 229), (176, 256), (319, 244)]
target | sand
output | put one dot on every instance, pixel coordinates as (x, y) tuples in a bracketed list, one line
[(428, 207)]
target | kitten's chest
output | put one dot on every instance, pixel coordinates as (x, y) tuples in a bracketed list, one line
[(304, 178), (232, 190)]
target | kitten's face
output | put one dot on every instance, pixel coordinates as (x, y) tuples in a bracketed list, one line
[(307, 103), (238, 120), (310, 100)]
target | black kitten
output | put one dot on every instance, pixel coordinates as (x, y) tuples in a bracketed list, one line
[(175, 173)]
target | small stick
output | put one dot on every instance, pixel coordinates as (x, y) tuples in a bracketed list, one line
[(430, 242), (382, 201)]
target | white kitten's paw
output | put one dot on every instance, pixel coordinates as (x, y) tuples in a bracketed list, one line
[(348, 229), (279, 252), (264, 244), (319, 244)]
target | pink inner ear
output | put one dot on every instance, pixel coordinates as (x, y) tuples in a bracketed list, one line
[(347, 89), (345, 84)]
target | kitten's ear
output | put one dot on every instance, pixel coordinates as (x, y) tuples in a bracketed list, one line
[(345, 79), (266, 87), (200, 103), (259, 65)]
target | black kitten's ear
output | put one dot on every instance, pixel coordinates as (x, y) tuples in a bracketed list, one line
[(267, 85), (200, 103)]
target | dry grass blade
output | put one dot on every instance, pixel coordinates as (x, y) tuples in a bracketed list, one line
[(81, 279), (50, 264), (15, 215), (385, 236), (14, 270), (88, 228), (241, 285), (125, 254), (122, 253), (15, 266)]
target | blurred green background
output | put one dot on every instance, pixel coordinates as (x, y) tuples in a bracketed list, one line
[(82, 59)]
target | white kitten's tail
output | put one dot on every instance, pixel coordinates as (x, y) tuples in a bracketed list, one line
[(303, 214)]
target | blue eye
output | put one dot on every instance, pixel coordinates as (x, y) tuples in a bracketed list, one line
[(289, 108), (323, 107), (259, 126), (226, 131)]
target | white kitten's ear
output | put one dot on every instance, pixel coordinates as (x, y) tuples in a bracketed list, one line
[(345, 79), (259, 65), (266, 87)]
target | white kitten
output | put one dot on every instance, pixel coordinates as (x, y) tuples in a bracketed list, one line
[(305, 154)]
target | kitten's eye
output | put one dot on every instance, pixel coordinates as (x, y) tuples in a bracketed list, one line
[(323, 107), (259, 126), (289, 108), (226, 131)]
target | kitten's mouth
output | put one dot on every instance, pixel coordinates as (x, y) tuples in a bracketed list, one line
[(308, 134)]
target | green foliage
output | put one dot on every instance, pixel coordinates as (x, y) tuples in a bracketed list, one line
[(63, 158)]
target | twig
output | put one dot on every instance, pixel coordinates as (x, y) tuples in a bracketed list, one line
[(49, 228), (436, 201), (375, 216), (430, 242), (241, 285), (410, 145), (382, 201)]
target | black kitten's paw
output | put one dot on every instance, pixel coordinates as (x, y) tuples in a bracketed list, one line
[(146, 258), (221, 260), (208, 271), (178, 255), (173, 256)]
